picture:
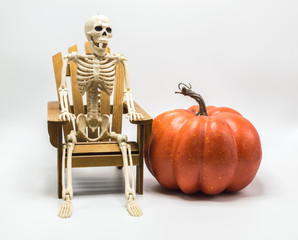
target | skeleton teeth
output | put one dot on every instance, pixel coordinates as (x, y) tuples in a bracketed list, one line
[(100, 45)]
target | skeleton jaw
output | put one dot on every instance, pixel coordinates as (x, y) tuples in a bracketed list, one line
[(99, 46)]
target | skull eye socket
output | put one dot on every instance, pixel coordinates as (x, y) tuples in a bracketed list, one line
[(109, 30), (98, 28)]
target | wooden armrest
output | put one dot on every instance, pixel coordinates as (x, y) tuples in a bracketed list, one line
[(53, 113), (147, 119)]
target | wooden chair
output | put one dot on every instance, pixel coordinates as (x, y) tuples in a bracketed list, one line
[(104, 153)]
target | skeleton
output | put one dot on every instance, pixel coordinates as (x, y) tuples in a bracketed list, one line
[(96, 73)]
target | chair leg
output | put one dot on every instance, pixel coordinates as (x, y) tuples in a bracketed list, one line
[(59, 180), (59, 162), (140, 167), (140, 174)]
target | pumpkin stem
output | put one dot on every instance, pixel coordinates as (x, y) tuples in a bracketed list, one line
[(186, 91)]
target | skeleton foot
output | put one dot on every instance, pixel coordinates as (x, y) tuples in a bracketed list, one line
[(133, 208), (65, 209)]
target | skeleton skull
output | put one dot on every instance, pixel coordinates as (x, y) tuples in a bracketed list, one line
[(98, 31)]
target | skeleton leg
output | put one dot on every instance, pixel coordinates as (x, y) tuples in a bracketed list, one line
[(130, 193), (65, 209)]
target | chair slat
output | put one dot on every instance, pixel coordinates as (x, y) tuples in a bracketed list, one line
[(58, 64), (78, 106), (88, 50), (104, 103), (118, 99), (102, 148), (101, 161)]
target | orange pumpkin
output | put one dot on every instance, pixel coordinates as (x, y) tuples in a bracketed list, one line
[(211, 149)]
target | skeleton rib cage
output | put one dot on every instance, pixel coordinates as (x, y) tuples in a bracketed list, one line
[(91, 71)]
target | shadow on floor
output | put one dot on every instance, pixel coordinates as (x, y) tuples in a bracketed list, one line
[(255, 189)]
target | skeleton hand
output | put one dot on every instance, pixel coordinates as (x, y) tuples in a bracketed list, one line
[(134, 116), (66, 116)]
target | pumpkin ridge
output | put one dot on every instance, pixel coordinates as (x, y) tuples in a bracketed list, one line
[(186, 133), (202, 133), (219, 161), (242, 176), (202, 172), (166, 130), (155, 131)]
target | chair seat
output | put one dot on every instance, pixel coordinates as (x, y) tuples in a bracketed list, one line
[(101, 154), (101, 148)]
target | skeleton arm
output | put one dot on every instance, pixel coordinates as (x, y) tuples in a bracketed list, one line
[(63, 93), (132, 114)]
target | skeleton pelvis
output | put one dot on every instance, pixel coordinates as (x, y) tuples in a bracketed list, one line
[(93, 123)]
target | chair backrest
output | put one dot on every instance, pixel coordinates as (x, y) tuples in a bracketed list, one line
[(78, 105)]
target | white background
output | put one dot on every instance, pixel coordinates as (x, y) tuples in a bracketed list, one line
[(237, 53)]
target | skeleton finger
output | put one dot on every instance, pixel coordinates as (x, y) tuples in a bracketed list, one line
[(140, 116)]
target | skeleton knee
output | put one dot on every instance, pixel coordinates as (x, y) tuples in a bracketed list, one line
[(121, 138), (71, 138)]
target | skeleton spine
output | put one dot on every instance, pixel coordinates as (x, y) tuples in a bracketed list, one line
[(92, 105)]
